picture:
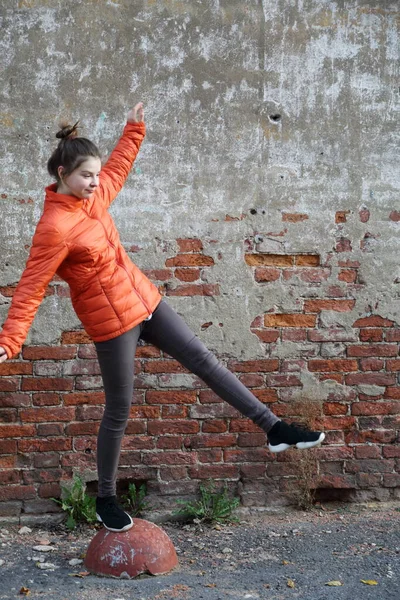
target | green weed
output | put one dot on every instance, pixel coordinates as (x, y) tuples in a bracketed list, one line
[(135, 499), (80, 507), (213, 505)]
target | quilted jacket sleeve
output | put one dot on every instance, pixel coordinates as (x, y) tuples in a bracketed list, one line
[(116, 169), (47, 253)]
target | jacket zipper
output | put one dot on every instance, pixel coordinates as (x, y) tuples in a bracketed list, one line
[(125, 269)]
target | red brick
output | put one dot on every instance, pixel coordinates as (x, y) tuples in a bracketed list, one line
[(170, 442), (158, 274), (307, 274), (380, 379), (212, 440), (189, 260), (187, 274), (343, 245), (87, 351), (312, 306), (49, 490), (49, 445), (351, 264), (367, 452), (17, 492), (16, 431), (341, 216), (210, 456), (8, 415), (391, 480), (169, 458), (189, 245), (14, 400), (138, 442), (375, 408), (214, 426), (173, 473), (331, 335), (393, 365), (393, 335), (48, 353), (9, 476), (266, 395), (243, 425), (373, 350), (8, 446), (170, 411), (283, 380), (46, 383), (254, 366), (335, 408), (368, 480), (294, 217), (347, 275), (373, 321), (337, 422), (337, 481), (269, 260), (294, 335), (378, 436), (307, 260), (7, 462), (392, 393), (266, 274), (391, 451), (332, 365), (170, 397), (395, 215), (46, 399), (242, 456), (369, 466), (208, 397), (164, 366), (251, 439), (178, 426), (214, 472), (144, 412), (9, 384), (15, 368), (46, 460), (38, 415), (251, 380), (334, 453), (371, 335), (267, 336), (50, 429), (82, 428), (290, 320), (204, 289), (371, 364), (75, 398), (75, 337), (252, 471), (136, 427)]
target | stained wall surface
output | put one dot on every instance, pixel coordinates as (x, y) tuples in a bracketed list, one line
[(264, 202)]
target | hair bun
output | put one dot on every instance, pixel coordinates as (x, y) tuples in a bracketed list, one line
[(67, 132)]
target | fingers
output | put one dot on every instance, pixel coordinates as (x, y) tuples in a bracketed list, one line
[(3, 355), (136, 114)]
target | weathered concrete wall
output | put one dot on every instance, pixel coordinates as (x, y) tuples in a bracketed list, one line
[(271, 133)]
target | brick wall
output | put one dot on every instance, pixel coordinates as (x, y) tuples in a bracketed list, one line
[(180, 433)]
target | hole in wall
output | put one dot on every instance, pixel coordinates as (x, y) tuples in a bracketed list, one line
[(275, 118), (253, 211)]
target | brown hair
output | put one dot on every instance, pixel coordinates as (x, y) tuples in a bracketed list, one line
[(71, 151)]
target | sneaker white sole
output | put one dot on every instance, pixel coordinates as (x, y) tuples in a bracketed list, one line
[(126, 528), (299, 445)]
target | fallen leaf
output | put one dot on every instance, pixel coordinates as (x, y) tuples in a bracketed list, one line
[(81, 574), (291, 583), (369, 581), (285, 562), (211, 585), (24, 591), (334, 583)]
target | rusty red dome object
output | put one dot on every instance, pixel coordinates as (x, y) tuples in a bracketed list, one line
[(145, 548)]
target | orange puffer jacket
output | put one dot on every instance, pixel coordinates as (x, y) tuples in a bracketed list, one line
[(77, 239)]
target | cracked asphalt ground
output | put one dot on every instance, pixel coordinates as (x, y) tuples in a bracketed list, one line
[(271, 556)]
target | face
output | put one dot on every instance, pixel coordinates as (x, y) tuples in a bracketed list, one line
[(83, 181)]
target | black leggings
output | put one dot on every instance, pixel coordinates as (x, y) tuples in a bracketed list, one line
[(166, 330)]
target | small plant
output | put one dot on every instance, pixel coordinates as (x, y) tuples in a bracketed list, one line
[(213, 505), (80, 507), (135, 499)]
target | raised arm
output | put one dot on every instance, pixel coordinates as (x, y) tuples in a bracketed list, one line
[(114, 173), (47, 253)]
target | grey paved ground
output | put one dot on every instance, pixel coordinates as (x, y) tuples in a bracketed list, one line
[(255, 559)]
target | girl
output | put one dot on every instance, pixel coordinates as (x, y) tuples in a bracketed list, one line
[(116, 303)]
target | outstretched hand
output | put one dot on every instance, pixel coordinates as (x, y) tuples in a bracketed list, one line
[(3, 354), (136, 114)]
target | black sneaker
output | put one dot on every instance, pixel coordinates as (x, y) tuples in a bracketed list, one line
[(282, 436), (111, 514)]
